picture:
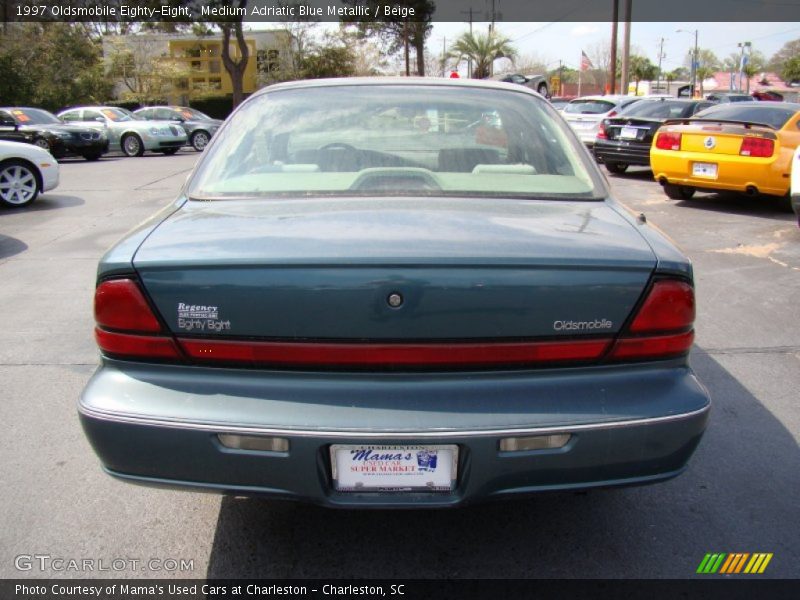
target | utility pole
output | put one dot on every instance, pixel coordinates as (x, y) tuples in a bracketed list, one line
[(469, 60), (695, 58), (695, 65), (626, 46), (660, 57), (744, 46), (614, 27)]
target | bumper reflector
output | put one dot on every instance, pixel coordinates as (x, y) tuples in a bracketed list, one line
[(534, 442), (254, 442)]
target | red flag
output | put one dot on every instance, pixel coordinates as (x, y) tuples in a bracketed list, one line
[(586, 64)]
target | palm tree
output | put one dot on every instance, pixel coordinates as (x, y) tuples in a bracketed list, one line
[(482, 50), (641, 69)]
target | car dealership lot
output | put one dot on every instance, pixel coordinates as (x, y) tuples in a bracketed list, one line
[(739, 494)]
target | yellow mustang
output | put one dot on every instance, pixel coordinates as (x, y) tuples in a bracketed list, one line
[(742, 147)]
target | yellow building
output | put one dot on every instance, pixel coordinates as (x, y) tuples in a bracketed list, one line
[(180, 68), (202, 60)]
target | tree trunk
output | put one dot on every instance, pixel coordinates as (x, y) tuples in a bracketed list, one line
[(235, 68), (419, 48), (405, 48)]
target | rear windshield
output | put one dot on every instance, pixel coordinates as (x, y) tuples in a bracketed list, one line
[(775, 116), (589, 107), (658, 109), (396, 140)]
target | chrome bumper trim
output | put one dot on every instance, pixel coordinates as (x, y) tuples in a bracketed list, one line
[(382, 434)]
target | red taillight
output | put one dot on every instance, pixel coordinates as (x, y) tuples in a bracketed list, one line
[(139, 346), (669, 307), (601, 132), (612, 113), (120, 306), (668, 141), (758, 147), (662, 327)]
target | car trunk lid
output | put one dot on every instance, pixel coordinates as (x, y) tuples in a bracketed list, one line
[(327, 269)]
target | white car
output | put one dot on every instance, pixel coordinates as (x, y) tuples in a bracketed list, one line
[(126, 132), (25, 171), (795, 192), (585, 114)]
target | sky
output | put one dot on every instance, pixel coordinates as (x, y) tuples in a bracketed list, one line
[(551, 42)]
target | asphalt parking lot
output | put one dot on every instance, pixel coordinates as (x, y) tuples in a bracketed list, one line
[(740, 494)]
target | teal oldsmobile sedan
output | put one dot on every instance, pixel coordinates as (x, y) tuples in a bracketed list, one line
[(394, 293)]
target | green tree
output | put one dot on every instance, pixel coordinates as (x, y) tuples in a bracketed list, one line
[(707, 65), (787, 52), (147, 76), (791, 69), (396, 32), (330, 58), (51, 65), (482, 50), (678, 74), (641, 69)]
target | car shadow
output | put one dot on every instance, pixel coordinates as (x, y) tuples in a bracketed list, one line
[(739, 494), (44, 202), (633, 172), (76, 160), (10, 246), (768, 207)]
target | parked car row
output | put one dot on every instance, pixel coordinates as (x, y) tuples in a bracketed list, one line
[(625, 139), (91, 131), (724, 145)]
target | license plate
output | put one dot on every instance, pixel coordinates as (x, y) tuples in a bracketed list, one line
[(704, 170), (629, 133), (377, 468), (582, 125)]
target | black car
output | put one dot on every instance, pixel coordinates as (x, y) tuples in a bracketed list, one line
[(725, 97), (44, 129), (625, 139), (199, 127)]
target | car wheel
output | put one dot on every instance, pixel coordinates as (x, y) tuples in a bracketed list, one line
[(678, 192), (19, 183), (616, 167), (42, 143), (92, 155), (199, 140), (170, 151), (132, 145)]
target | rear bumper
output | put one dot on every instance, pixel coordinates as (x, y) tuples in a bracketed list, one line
[(734, 173), (159, 425), (622, 152)]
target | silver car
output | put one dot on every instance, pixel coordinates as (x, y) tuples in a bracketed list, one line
[(126, 133), (585, 114)]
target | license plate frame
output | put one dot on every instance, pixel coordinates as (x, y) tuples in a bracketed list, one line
[(629, 133), (704, 169), (394, 468)]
